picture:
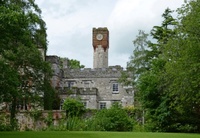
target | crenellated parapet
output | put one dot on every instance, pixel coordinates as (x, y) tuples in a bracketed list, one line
[(111, 72), (61, 70)]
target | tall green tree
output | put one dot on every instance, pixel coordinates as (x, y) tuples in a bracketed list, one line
[(169, 89), (152, 83), (163, 33), (183, 68), (139, 60), (23, 35), (148, 65)]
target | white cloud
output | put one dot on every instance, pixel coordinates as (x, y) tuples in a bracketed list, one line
[(70, 23)]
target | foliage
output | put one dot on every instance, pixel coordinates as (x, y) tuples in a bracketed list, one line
[(36, 114), (152, 84), (183, 68), (49, 119), (74, 124), (75, 64), (168, 87), (139, 60), (5, 127), (4, 123), (136, 114), (56, 101), (73, 107), (49, 95), (113, 119), (22, 38)]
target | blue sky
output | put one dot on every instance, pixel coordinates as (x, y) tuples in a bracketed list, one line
[(70, 22)]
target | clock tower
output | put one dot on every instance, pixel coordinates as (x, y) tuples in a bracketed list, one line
[(100, 44)]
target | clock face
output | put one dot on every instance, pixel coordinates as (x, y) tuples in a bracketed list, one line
[(99, 37)]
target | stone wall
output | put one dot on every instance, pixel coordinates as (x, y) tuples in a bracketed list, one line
[(99, 79), (27, 120)]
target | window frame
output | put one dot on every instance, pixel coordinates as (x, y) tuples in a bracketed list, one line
[(102, 105), (71, 84), (115, 88)]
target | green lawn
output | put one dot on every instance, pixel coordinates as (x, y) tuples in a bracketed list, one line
[(62, 134)]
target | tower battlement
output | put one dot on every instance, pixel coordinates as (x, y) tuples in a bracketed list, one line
[(111, 72), (59, 69)]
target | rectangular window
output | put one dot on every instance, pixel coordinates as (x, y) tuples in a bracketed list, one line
[(102, 105), (70, 84), (115, 88)]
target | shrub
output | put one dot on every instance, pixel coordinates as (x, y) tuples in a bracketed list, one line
[(4, 122), (73, 107), (5, 127), (113, 119), (49, 119), (74, 124)]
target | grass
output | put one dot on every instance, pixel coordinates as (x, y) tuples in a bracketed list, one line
[(82, 134)]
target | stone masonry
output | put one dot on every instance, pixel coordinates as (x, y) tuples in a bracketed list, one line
[(101, 46), (98, 87)]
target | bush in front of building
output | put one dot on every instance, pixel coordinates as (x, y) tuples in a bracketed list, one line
[(113, 119), (73, 107)]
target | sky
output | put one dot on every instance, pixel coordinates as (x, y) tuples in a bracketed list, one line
[(69, 25)]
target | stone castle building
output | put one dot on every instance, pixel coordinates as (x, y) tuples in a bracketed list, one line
[(97, 87)]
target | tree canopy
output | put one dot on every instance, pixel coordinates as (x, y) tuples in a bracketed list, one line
[(167, 71), (23, 45), (75, 64)]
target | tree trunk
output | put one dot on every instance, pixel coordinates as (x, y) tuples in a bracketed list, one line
[(13, 122)]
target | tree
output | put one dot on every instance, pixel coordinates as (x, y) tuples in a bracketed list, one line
[(169, 89), (163, 33), (153, 83), (50, 96), (148, 65), (73, 107), (139, 60), (75, 64), (182, 68), (23, 35), (113, 119)]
